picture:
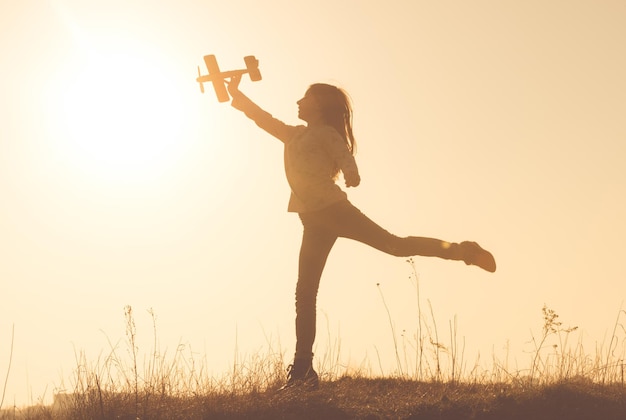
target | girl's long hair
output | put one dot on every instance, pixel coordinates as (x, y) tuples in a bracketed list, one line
[(336, 110)]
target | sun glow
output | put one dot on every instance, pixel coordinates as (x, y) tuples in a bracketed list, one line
[(119, 111)]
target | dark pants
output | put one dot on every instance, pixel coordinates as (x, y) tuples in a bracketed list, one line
[(321, 230)]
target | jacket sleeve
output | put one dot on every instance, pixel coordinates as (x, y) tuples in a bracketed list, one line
[(263, 119), (345, 160)]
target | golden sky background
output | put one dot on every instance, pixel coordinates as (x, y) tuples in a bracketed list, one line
[(495, 121)]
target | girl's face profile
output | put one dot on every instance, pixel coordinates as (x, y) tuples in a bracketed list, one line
[(308, 108)]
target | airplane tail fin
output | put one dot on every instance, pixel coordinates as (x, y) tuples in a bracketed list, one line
[(252, 65)]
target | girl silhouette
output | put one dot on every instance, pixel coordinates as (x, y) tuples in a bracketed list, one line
[(314, 154)]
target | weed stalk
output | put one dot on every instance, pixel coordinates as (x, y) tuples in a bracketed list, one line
[(6, 378)]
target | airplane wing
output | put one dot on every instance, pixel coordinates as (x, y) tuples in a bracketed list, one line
[(211, 64), (218, 83)]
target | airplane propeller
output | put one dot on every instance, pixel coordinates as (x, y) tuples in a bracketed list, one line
[(201, 86)]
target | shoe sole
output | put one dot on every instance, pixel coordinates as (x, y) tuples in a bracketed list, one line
[(485, 260), (482, 258)]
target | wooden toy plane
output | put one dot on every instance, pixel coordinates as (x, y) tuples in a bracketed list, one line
[(218, 77)]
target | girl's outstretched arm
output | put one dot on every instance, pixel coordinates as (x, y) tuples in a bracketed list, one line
[(263, 119)]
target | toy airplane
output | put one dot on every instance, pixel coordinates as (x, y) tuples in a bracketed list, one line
[(218, 77)]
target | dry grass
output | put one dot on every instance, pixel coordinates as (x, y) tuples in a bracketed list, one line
[(359, 398), (431, 381)]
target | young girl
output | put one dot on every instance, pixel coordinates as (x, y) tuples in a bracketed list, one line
[(314, 155)]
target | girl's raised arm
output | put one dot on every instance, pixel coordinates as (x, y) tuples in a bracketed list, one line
[(262, 118)]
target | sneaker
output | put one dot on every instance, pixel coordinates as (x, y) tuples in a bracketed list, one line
[(473, 254), (305, 378)]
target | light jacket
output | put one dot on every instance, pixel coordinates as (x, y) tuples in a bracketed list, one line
[(311, 154)]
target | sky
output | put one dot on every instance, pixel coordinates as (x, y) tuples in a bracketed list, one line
[(500, 122)]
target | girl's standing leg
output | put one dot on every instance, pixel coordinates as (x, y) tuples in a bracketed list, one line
[(316, 245)]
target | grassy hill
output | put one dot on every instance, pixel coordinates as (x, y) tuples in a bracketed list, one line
[(356, 398), (562, 382)]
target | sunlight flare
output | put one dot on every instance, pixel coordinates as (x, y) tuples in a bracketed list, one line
[(118, 109)]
